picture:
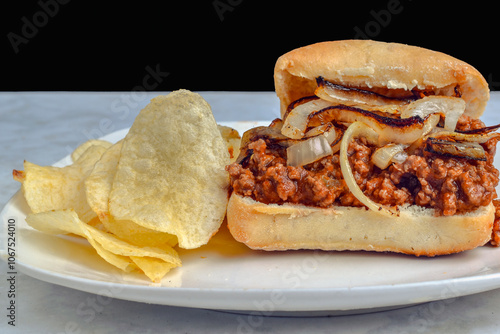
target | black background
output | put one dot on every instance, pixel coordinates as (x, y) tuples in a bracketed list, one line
[(217, 44)]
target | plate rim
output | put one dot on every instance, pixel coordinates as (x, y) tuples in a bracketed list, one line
[(176, 296)]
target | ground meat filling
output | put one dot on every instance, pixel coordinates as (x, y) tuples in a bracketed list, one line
[(450, 185), (495, 234)]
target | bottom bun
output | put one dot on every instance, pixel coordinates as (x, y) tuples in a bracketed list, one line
[(417, 231)]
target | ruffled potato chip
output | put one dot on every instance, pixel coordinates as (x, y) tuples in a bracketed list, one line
[(77, 153), (153, 268), (98, 187), (48, 188), (120, 247), (137, 234), (155, 261), (99, 181), (67, 221), (171, 175)]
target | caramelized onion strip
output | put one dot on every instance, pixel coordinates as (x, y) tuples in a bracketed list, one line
[(466, 137), (271, 134), (384, 156), (391, 130), (298, 102), (466, 150), (481, 131), (316, 145), (295, 123), (307, 151), (321, 129), (333, 92), (355, 130), (450, 108)]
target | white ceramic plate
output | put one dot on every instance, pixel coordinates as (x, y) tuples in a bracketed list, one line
[(225, 275)]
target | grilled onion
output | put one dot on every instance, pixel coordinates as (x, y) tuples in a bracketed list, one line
[(466, 137), (400, 157), (391, 130), (355, 98), (451, 108), (417, 119), (307, 151), (321, 129), (471, 150), (481, 131), (385, 155), (358, 129), (296, 122), (271, 134), (333, 92), (331, 133), (298, 102)]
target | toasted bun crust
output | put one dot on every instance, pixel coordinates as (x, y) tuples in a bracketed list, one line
[(379, 65), (417, 231)]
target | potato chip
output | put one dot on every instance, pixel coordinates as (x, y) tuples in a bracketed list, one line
[(98, 183), (153, 268), (171, 175), (137, 234), (121, 262), (155, 262), (120, 247), (58, 188), (115, 251), (77, 153), (232, 139), (55, 222), (96, 223), (98, 187), (67, 221)]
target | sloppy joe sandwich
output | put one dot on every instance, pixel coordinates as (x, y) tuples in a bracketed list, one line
[(379, 148)]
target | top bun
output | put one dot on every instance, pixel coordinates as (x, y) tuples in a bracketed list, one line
[(379, 66)]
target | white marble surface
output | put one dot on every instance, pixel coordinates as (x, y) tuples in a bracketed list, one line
[(44, 127)]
